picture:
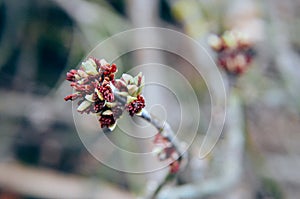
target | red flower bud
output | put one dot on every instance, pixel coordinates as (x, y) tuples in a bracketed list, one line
[(174, 167), (71, 75), (106, 121), (106, 91), (71, 97), (136, 105)]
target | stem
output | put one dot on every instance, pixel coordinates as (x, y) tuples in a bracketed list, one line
[(163, 128), (167, 178), (232, 169), (166, 130)]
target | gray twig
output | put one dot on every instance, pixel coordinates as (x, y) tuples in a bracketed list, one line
[(232, 166), (163, 128)]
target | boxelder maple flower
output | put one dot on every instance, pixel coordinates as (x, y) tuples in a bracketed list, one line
[(234, 51), (93, 85), (165, 150), (98, 92)]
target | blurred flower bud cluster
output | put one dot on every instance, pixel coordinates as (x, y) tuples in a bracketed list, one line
[(165, 150), (235, 51)]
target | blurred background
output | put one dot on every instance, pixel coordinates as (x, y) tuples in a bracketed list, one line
[(41, 155)]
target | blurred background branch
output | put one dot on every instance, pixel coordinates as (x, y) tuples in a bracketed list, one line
[(44, 183)]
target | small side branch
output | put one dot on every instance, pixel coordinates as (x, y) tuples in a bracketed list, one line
[(166, 131), (232, 167), (163, 128)]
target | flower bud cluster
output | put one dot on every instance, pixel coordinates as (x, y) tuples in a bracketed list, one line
[(94, 85), (234, 51), (165, 150), (131, 88), (98, 92)]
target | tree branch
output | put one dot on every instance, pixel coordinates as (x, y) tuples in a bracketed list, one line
[(232, 167), (163, 128), (44, 183)]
